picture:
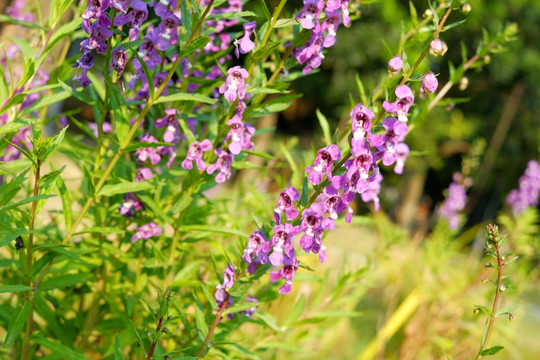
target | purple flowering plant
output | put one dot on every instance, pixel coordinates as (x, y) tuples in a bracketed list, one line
[(156, 111)]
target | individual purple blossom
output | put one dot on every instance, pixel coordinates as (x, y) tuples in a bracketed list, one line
[(170, 122), (118, 60), (453, 204), (222, 294), (162, 7), (95, 9), (395, 132), (313, 225), (281, 241), (236, 132), (529, 189), (147, 231), (257, 249), (361, 165), (106, 127), (361, 125), (147, 52), (395, 65), (143, 174), (342, 5), (311, 11), (222, 165), (402, 152), (235, 86), (167, 31), (285, 205), (429, 83), (290, 266), (311, 53), (245, 45), (323, 163), (195, 153), (120, 5), (15, 11), (372, 192), (131, 204), (148, 153), (98, 37), (401, 106), (133, 19), (329, 26), (437, 47), (86, 62)]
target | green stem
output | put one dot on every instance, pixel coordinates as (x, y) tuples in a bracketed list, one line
[(29, 259)]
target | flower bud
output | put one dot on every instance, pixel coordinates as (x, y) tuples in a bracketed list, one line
[(19, 243), (437, 47), (511, 316), (165, 330), (502, 288), (210, 344), (476, 310), (488, 265), (150, 334), (463, 83), (429, 83), (485, 281), (395, 65), (487, 59), (428, 14), (465, 8)]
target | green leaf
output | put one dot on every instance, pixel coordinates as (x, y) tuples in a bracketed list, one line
[(134, 328), (265, 10), (51, 318), (206, 292), (239, 288), (199, 318), (259, 154), (57, 348), (186, 130), (240, 307), (64, 281), (491, 351), (267, 320), (213, 229), (16, 323), (505, 310), (66, 202), (245, 165), (325, 127), (484, 309), (118, 350), (101, 230), (186, 97), (14, 288), (26, 201), (144, 145), (125, 187), (30, 25), (80, 95), (302, 38), (63, 31), (305, 193), (46, 101), (266, 50), (195, 45), (157, 209)]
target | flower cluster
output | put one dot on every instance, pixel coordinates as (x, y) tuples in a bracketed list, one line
[(340, 180), (456, 200), (222, 293), (529, 189), (323, 33)]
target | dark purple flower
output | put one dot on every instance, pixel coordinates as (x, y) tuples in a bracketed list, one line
[(234, 87), (162, 7), (222, 165), (329, 26), (118, 60), (342, 5), (285, 204), (323, 163), (120, 5), (311, 53), (133, 19), (167, 31), (147, 231), (222, 289), (95, 9), (195, 153)]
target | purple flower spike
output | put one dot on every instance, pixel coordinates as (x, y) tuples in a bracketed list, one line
[(395, 65), (148, 153), (245, 43), (453, 204), (311, 11), (258, 247), (429, 83), (147, 231), (170, 121), (118, 60), (195, 153), (401, 106), (234, 86), (529, 189), (222, 165), (323, 163), (285, 204), (290, 266)]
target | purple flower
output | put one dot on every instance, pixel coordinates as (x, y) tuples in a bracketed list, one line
[(148, 153), (131, 203), (395, 65), (118, 60), (323, 163), (329, 26), (311, 11), (257, 249), (120, 5), (245, 43), (234, 87), (143, 174), (195, 153), (361, 125), (395, 132), (147, 231), (98, 38), (402, 152), (311, 53), (162, 7), (167, 33), (222, 165), (147, 52), (529, 189), (429, 83), (290, 266), (170, 121), (453, 204), (236, 133), (221, 290), (437, 47), (401, 106), (362, 165), (372, 192), (281, 241), (95, 9), (133, 19), (106, 127), (285, 204)]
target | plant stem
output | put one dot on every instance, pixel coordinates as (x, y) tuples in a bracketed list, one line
[(29, 258), (213, 327), (154, 342)]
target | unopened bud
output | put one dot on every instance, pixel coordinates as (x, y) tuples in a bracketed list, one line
[(210, 344), (437, 47), (502, 288), (169, 317), (165, 330), (19, 243), (150, 334), (488, 265), (511, 316), (465, 8), (487, 59), (428, 14), (503, 258), (476, 310), (485, 281), (463, 83)]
